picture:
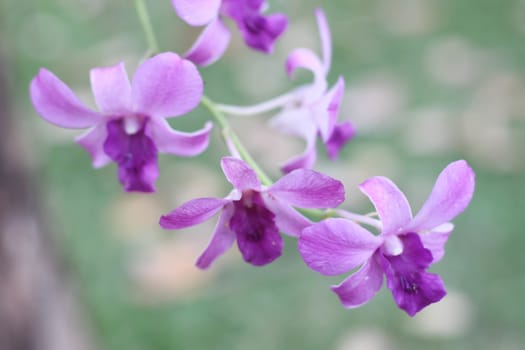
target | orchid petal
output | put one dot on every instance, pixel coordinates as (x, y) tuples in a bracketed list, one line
[(308, 189), (295, 121), (450, 196), (358, 288), (288, 220), (435, 240), (166, 86), (326, 38), (111, 89), (135, 155), (261, 32), (307, 59), (340, 136), (93, 142), (258, 236), (390, 203), (305, 160), (185, 144), (222, 239), (412, 287), (192, 213), (335, 246), (210, 45), (326, 110), (197, 12), (57, 104), (239, 174)]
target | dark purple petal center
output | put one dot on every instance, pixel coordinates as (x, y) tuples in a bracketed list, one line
[(135, 154), (254, 24), (412, 287), (257, 235)]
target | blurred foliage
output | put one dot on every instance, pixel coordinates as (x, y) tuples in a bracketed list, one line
[(428, 82)]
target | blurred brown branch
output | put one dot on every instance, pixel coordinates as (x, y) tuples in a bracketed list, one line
[(38, 307)]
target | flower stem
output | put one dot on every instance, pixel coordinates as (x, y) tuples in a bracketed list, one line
[(263, 107), (229, 134), (142, 12), (364, 219)]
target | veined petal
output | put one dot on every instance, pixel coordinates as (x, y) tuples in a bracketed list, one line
[(414, 291), (93, 142), (358, 288), (210, 45), (135, 155), (390, 203), (239, 174), (257, 234), (289, 221), (308, 189), (192, 213), (450, 196), (326, 39), (185, 144), (412, 287), (197, 12), (307, 59), (57, 104), (222, 239), (111, 89), (335, 246), (166, 86)]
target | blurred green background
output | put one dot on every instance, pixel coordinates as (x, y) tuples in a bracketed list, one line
[(428, 82)]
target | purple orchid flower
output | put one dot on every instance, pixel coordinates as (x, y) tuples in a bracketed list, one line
[(313, 110), (130, 128), (259, 32), (403, 251), (254, 214)]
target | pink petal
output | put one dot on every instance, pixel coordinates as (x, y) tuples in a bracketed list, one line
[(166, 86), (340, 136), (93, 142), (450, 196), (308, 189), (326, 38), (390, 203), (192, 213), (305, 58), (197, 12), (57, 104), (358, 288), (185, 144), (239, 174), (210, 45), (436, 239), (288, 220), (335, 246), (305, 160), (296, 121), (111, 89), (222, 239), (326, 110)]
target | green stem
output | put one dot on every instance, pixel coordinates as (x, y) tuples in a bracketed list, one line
[(142, 11), (230, 134)]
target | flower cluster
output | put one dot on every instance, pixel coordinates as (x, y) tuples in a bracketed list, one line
[(130, 128)]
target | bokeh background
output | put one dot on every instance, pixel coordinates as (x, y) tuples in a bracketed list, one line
[(428, 82)]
